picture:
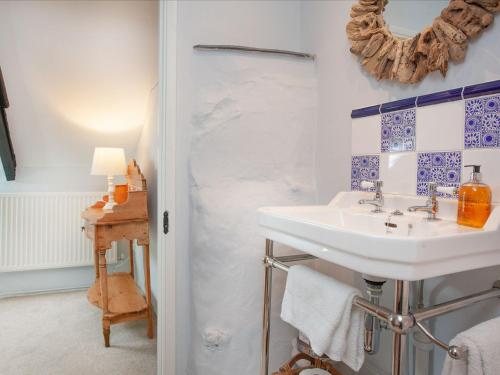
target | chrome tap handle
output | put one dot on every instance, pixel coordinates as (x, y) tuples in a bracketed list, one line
[(378, 200), (378, 185), (432, 202), (432, 188)]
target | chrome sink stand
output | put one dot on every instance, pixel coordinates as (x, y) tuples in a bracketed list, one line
[(400, 319)]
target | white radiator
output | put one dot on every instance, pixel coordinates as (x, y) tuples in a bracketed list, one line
[(43, 230)]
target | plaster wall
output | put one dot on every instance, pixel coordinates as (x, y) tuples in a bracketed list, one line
[(268, 24), (252, 145), (147, 158), (78, 75), (343, 86)]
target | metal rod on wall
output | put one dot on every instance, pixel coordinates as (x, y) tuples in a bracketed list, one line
[(228, 47)]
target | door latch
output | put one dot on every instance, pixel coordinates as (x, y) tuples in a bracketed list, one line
[(165, 222)]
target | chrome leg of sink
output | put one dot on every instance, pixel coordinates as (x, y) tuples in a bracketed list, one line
[(401, 306), (266, 320)]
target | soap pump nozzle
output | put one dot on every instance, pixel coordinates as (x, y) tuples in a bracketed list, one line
[(476, 172)]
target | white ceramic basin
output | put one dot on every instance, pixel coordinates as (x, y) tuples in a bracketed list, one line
[(411, 248)]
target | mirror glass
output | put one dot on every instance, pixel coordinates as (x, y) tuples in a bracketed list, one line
[(407, 18)]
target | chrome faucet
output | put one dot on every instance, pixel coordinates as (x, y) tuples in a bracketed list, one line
[(378, 200), (432, 204)]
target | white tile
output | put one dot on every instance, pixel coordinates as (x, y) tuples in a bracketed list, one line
[(399, 173), (440, 127), (366, 135), (489, 159)]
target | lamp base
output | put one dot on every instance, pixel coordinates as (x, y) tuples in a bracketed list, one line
[(111, 194), (109, 205)]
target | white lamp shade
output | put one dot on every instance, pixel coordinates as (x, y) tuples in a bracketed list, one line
[(109, 161)]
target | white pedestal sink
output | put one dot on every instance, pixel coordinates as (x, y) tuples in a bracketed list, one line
[(406, 247)]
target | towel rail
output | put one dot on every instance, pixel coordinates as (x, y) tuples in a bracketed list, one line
[(456, 304), (455, 352), (233, 48), (401, 323), (295, 258), (378, 311)]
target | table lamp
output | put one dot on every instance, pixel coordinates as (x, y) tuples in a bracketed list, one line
[(109, 161)]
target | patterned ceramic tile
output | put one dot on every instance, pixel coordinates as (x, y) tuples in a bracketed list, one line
[(364, 167), (398, 131), (445, 168), (482, 122)]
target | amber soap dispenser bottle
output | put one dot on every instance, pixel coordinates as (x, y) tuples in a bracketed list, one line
[(474, 200)]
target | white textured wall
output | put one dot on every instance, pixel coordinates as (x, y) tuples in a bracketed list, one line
[(78, 75), (271, 24), (252, 146), (343, 85)]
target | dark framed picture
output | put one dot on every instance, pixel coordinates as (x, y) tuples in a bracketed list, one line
[(4, 101), (7, 156)]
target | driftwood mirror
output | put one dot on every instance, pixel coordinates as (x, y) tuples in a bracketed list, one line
[(387, 53)]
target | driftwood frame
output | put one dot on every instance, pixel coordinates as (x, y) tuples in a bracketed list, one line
[(7, 155), (387, 57)]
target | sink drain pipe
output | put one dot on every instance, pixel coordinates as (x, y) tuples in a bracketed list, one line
[(372, 323)]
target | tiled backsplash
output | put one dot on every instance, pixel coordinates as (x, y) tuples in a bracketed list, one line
[(482, 122), (364, 167), (410, 147), (444, 168), (398, 131)]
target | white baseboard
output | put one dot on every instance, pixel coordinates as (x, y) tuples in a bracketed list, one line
[(40, 292)]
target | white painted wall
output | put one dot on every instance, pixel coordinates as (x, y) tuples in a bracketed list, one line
[(78, 75), (252, 146), (147, 158), (271, 24), (343, 85)]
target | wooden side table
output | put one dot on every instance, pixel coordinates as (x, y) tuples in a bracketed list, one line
[(117, 294)]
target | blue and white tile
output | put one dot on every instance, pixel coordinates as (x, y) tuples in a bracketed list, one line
[(489, 160), (365, 135), (398, 131), (394, 171), (439, 127), (444, 168), (364, 167), (482, 122)]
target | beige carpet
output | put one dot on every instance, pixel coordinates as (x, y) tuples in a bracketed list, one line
[(60, 334)]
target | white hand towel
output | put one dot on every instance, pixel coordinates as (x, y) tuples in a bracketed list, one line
[(321, 308), (483, 351)]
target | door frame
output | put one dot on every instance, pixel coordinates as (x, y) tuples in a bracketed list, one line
[(167, 348)]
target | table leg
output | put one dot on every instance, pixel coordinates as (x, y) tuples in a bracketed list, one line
[(103, 279), (96, 262), (147, 277), (266, 319), (106, 331), (131, 257)]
